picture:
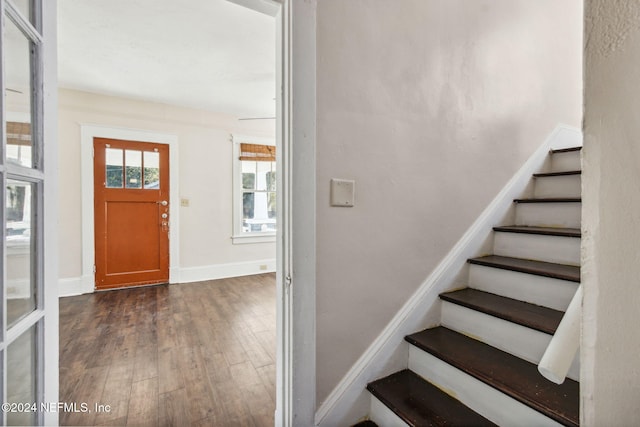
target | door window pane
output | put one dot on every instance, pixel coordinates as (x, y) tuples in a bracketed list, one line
[(24, 6), (20, 255), (133, 167), (21, 377), (18, 50), (114, 164), (151, 170)]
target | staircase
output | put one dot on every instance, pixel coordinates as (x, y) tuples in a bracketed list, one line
[(479, 367)]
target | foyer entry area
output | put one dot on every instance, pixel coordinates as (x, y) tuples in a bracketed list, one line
[(192, 354)]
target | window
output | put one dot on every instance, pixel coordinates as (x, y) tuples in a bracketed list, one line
[(254, 172)]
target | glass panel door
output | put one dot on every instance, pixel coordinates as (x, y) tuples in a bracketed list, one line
[(29, 286)]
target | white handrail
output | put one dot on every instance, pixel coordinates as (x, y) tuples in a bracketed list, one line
[(564, 344)]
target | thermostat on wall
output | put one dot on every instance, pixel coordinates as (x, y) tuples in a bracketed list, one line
[(342, 192)]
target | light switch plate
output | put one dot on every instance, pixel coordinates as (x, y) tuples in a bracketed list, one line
[(342, 192)]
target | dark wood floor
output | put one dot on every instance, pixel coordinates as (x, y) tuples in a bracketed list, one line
[(200, 354)]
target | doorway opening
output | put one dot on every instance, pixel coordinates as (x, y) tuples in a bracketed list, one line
[(183, 200)]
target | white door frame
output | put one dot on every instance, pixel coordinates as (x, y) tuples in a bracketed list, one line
[(296, 257), (51, 198), (296, 260), (87, 133)]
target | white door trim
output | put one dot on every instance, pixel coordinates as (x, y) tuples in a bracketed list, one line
[(51, 191), (295, 272), (296, 365), (87, 133)]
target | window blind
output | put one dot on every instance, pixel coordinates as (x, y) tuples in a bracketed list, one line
[(18, 133), (256, 152)]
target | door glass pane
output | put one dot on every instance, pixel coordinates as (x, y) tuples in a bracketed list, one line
[(133, 167), (24, 6), (151, 170), (21, 377), (18, 95), (21, 286), (114, 164)]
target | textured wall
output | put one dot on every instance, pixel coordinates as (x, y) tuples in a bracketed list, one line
[(610, 377), (431, 106)]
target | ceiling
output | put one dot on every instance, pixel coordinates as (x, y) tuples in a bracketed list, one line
[(211, 54)]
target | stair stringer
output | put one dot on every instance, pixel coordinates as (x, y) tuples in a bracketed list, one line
[(349, 401)]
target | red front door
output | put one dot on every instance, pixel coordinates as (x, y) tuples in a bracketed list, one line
[(131, 192)]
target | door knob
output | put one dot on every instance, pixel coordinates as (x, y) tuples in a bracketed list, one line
[(164, 216), (164, 203)]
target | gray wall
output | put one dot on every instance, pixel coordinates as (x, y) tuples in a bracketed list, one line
[(431, 106)]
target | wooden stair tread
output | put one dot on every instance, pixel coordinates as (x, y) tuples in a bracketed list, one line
[(539, 268), (548, 174), (419, 403), (566, 150), (509, 374), (550, 200), (533, 316), (546, 231)]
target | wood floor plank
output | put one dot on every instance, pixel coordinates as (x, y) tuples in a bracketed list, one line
[(146, 363), (174, 408), (190, 355), (216, 366), (118, 383), (143, 406), (118, 422), (115, 414), (268, 376), (170, 369), (89, 391)]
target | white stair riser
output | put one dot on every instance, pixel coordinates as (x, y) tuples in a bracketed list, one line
[(563, 162), (539, 290), (556, 249), (526, 343), (558, 186), (383, 416), (482, 398), (549, 214)]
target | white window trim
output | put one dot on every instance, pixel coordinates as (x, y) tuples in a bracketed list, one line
[(238, 237)]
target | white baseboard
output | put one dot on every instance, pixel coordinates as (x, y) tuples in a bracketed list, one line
[(83, 285), (221, 271), (345, 403), (74, 286)]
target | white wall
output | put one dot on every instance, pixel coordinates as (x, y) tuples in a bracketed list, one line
[(431, 106), (205, 176), (610, 374)]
